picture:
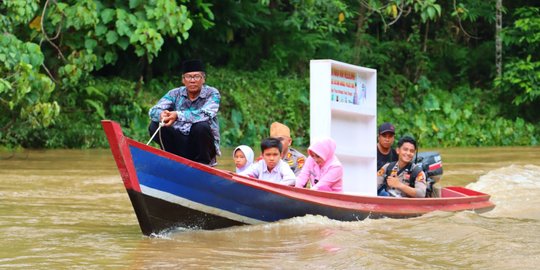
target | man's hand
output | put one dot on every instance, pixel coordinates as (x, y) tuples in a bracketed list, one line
[(168, 117), (393, 181)]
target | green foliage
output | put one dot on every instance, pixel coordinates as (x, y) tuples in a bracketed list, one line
[(251, 101), (521, 74), (24, 92), (13, 13), (389, 12), (98, 99), (323, 17), (522, 79), (462, 117), (98, 59), (524, 34), (428, 9), (78, 66), (142, 26), (279, 35), (472, 11)]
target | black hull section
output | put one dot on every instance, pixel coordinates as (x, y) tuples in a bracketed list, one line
[(156, 215)]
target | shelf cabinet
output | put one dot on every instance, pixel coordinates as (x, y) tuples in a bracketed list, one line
[(343, 106)]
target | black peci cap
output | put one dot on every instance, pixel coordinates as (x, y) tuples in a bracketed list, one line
[(192, 65)]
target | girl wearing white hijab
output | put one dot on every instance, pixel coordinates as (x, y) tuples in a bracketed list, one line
[(243, 157)]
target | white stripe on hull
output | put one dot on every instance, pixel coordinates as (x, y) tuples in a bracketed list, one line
[(196, 206)]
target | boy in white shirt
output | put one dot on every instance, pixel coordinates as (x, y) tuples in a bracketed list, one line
[(271, 167)]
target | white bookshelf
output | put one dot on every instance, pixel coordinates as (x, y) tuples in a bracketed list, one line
[(343, 106)]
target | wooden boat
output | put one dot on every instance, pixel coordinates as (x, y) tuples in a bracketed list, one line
[(169, 191)]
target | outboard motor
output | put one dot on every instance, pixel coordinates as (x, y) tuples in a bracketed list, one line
[(431, 163)]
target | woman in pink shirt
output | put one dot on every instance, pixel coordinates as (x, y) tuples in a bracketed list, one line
[(323, 170)]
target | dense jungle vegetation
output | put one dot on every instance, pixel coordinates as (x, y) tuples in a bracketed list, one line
[(452, 73)]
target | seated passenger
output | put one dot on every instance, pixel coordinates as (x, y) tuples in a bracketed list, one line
[(323, 170), (291, 156), (402, 178), (243, 158), (385, 140), (271, 168), (189, 116)]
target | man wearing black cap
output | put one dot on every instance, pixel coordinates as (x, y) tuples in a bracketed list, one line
[(385, 140), (189, 117)]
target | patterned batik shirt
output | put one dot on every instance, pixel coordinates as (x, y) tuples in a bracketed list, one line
[(295, 159), (204, 108)]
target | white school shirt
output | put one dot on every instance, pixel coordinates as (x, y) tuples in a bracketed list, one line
[(281, 174)]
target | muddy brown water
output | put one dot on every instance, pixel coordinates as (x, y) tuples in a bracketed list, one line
[(67, 209)]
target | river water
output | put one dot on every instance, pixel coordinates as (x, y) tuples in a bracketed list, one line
[(67, 209)]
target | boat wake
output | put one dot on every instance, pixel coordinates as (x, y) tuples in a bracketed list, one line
[(514, 189)]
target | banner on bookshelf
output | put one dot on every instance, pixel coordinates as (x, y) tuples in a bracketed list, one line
[(348, 87)]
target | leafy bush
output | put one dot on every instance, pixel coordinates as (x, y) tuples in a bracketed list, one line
[(462, 117), (24, 92), (251, 101), (99, 98)]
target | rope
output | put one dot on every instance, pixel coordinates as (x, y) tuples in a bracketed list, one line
[(158, 130)]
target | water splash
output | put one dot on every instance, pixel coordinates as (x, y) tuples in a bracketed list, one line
[(515, 190)]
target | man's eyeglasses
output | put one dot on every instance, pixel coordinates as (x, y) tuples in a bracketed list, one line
[(196, 77)]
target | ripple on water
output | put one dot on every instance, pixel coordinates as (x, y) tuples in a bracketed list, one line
[(514, 189)]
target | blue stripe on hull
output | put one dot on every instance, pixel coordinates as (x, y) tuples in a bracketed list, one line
[(204, 188)]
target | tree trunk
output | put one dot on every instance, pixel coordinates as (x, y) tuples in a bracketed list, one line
[(426, 32), (359, 32), (498, 41)]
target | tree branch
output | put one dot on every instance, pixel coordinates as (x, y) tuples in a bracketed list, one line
[(44, 34), (398, 16), (461, 26)]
